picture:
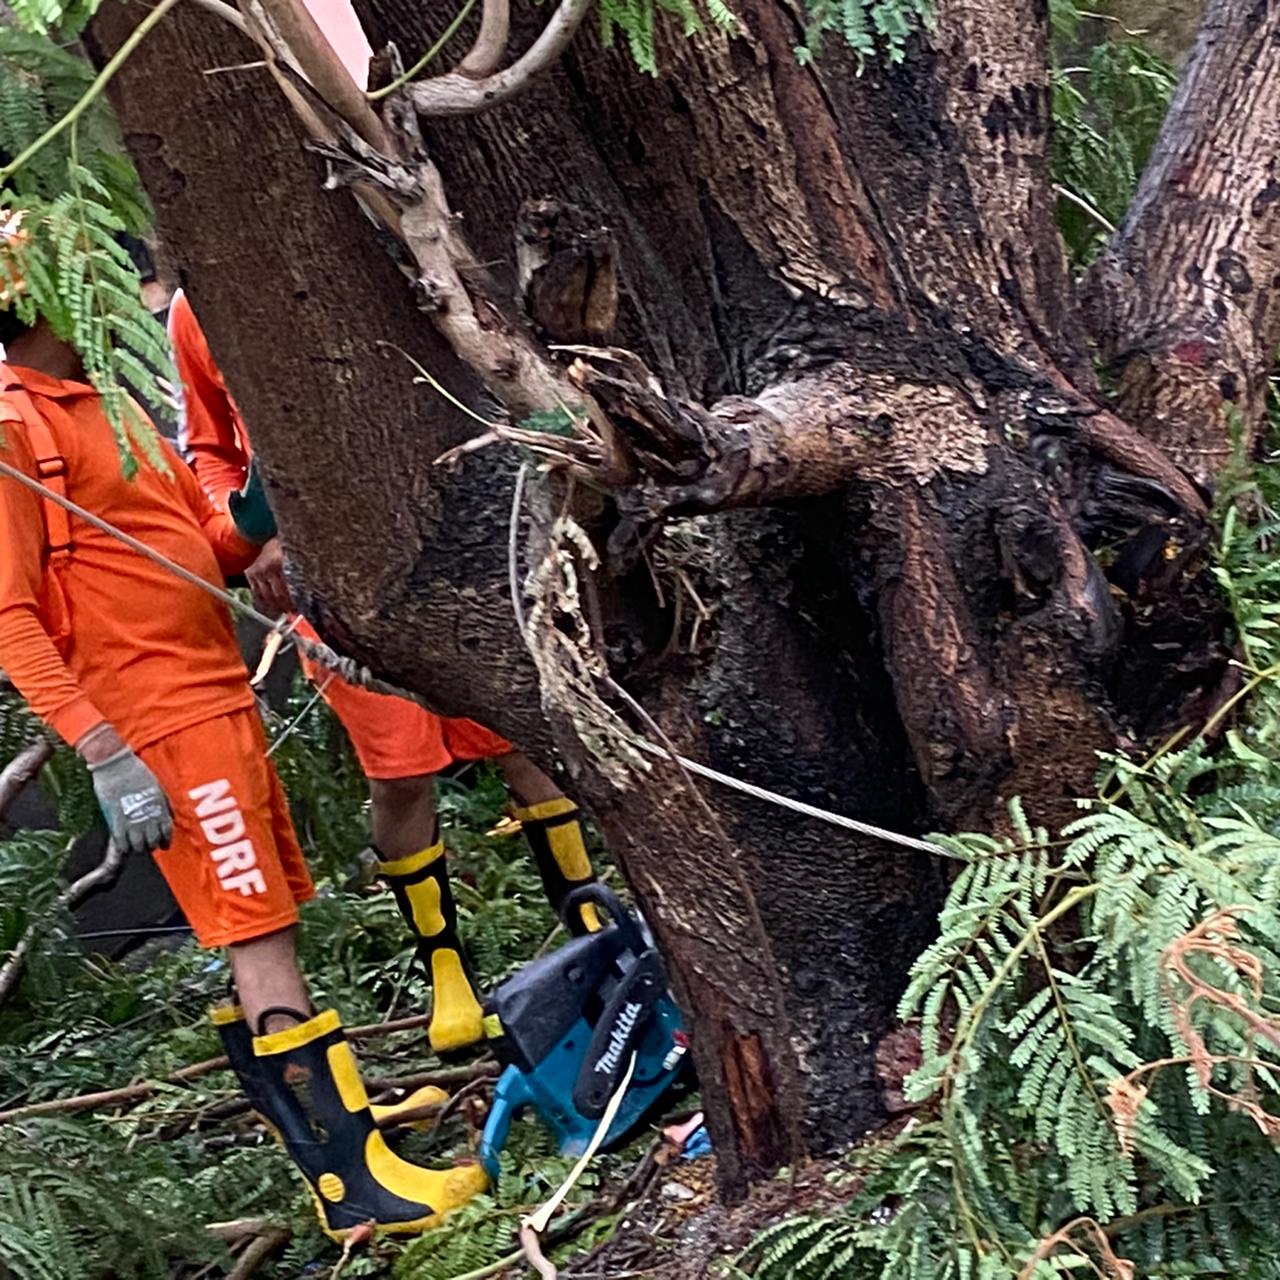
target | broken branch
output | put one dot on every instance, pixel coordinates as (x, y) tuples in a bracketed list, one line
[(263, 1238), (132, 1093), (304, 39), (75, 893), (460, 94), (491, 43), (21, 771)]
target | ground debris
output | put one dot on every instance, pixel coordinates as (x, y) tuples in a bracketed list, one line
[(680, 1236)]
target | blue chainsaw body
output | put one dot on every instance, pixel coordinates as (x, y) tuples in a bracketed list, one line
[(570, 1025)]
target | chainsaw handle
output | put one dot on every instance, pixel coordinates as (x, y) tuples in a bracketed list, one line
[(510, 1094), (612, 904)]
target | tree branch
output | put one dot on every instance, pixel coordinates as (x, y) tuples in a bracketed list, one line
[(491, 43), (227, 12), (814, 435), (388, 169), (75, 893), (143, 1089), (22, 770), (325, 70), (460, 94), (1184, 301)]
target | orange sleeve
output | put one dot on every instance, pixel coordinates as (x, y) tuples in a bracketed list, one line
[(213, 437), (27, 653), (234, 552)]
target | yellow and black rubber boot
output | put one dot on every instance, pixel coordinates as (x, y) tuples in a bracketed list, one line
[(420, 883), (237, 1043), (310, 1084), (555, 837)]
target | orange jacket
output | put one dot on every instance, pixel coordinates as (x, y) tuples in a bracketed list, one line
[(103, 633), (213, 438)]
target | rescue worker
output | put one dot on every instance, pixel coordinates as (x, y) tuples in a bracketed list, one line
[(399, 744), (140, 672)]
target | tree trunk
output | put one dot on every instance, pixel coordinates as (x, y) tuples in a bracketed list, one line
[(1186, 300), (853, 295)]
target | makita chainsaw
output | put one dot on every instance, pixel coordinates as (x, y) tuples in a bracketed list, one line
[(566, 1027)]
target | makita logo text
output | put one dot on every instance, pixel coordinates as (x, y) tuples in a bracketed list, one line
[(223, 826), (608, 1060)]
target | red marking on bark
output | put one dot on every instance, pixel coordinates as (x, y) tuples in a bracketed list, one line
[(1195, 351), (754, 1102)]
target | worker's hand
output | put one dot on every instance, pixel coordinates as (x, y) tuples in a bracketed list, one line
[(132, 801), (266, 579), (249, 508)]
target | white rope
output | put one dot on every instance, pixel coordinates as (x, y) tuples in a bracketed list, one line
[(669, 753), (513, 534), (541, 1217), (347, 669), (796, 806), (353, 673)]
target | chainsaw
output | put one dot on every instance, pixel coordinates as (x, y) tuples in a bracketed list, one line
[(566, 1027)]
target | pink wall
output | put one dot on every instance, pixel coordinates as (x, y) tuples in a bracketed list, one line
[(338, 21)]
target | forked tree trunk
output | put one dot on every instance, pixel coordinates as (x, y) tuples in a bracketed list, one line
[(852, 292)]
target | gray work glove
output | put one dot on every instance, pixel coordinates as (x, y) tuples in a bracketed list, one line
[(133, 803)]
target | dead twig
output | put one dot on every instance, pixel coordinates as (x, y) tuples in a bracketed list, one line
[(228, 13), (461, 94), (263, 1238), (1081, 1235), (491, 42), (532, 1247), (640, 1178), (21, 771), (1215, 938), (101, 876), (445, 1076), (132, 1093), (356, 1239), (451, 1106)]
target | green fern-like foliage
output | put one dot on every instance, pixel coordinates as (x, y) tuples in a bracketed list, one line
[(77, 194), (636, 21), (49, 17), (1108, 105), (871, 28), (62, 1215), (1048, 985)]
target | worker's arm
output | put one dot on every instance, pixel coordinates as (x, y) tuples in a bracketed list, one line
[(27, 653), (216, 444), (132, 801), (213, 438), (235, 551)]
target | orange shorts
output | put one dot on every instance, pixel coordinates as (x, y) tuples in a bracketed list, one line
[(234, 864), (396, 738)]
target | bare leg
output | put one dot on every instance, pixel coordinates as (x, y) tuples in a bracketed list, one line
[(526, 782), (266, 975), (402, 815)]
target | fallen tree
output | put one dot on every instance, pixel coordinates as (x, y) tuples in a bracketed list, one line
[(843, 505)]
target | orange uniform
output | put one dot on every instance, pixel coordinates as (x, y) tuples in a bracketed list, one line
[(98, 633), (392, 737)]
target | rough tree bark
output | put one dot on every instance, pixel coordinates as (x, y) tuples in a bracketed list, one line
[(853, 296), (1186, 301)]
